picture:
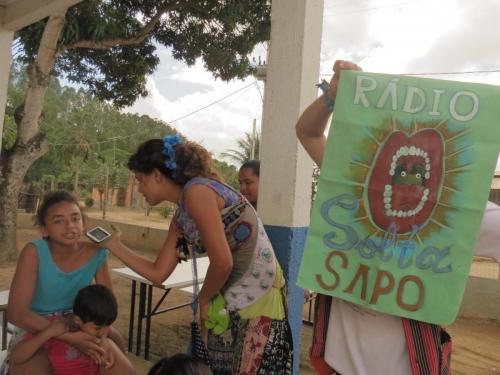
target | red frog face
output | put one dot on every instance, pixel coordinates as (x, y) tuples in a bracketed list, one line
[(406, 180)]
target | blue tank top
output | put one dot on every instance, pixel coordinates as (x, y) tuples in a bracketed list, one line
[(56, 290)]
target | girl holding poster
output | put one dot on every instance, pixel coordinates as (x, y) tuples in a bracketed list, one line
[(350, 339)]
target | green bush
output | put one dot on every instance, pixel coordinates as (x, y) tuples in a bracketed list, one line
[(165, 211), (89, 202)]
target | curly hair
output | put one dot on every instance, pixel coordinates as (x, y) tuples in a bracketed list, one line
[(192, 160)]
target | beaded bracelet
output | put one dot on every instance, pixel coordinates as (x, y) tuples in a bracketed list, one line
[(329, 101)]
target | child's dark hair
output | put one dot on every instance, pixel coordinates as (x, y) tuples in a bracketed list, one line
[(180, 364), (50, 199), (254, 165), (192, 160), (97, 304)]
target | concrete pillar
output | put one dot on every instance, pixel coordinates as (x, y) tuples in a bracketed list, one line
[(6, 37), (286, 170)]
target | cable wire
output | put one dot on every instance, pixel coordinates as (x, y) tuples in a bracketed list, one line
[(260, 92), (168, 122), (370, 9), (436, 73), (211, 104), (451, 73)]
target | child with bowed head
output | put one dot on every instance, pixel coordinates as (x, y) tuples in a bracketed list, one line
[(180, 364), (94, 310)]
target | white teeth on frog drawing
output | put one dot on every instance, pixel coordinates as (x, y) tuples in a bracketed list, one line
[(389, 211), (406, 151), (411, 151)]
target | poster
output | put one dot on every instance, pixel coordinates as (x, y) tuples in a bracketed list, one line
[(404, 182)]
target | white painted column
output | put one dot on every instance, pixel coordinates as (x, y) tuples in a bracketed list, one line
[(6, 37), (286, 170), (292, 71)]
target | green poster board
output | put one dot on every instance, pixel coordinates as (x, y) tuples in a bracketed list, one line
[(404, 181)]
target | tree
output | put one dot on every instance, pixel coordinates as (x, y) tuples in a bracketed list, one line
[(244, 151), (88, 137), (109, 47), (16, 91), (228, 172)]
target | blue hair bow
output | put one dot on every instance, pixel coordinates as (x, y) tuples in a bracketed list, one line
[(169, 142)]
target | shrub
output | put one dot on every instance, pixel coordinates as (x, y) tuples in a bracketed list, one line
[(165, 211), (89, 202)]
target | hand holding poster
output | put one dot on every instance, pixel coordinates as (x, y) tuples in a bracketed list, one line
[(404, 182)]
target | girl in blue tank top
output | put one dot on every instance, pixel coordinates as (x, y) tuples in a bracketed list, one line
[(49, 273)]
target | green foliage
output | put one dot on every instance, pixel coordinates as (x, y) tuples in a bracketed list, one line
[(89, 202), (228, 172), (114, 63), (16, 91), (165, 211), (9, 132), (89, 139), (244, 151)]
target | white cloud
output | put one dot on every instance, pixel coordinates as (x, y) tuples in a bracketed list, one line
[(390, 36), (471, 43), (219, 125)]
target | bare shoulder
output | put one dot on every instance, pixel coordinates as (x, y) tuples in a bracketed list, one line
[(198, 196), (28, 253), (29, 248), (27, 262), (195, 189)]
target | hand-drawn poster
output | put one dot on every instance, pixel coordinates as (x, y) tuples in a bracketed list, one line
[(404, 183)]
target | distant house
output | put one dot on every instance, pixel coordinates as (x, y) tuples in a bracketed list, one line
[(127, 196), (122, 196), (495, 188)]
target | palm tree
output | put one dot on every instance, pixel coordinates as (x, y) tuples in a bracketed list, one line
[(244, 151)]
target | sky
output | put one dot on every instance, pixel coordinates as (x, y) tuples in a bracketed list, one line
[(384, 36)]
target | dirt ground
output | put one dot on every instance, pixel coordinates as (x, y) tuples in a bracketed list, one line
[(476, 342)]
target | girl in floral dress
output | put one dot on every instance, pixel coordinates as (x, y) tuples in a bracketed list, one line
[(242, 298)]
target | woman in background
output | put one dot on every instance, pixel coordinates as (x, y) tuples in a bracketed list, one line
[(248, 178)]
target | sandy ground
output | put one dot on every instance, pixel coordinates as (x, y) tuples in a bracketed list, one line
[(476, 342)]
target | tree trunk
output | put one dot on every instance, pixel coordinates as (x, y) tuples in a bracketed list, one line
[(30, 143), (13, 166), (101, 194), (106, 192), (76, 190)]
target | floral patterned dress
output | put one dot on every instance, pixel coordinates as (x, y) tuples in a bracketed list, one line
[(258, 340)]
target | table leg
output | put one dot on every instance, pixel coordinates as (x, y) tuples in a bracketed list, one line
[(132, 311), (140, 316), (148, 322), (4, 329)]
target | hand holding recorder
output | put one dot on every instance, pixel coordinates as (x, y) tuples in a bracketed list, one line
[(98, 234)]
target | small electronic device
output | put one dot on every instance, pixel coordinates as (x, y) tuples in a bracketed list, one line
[(98, 234)]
